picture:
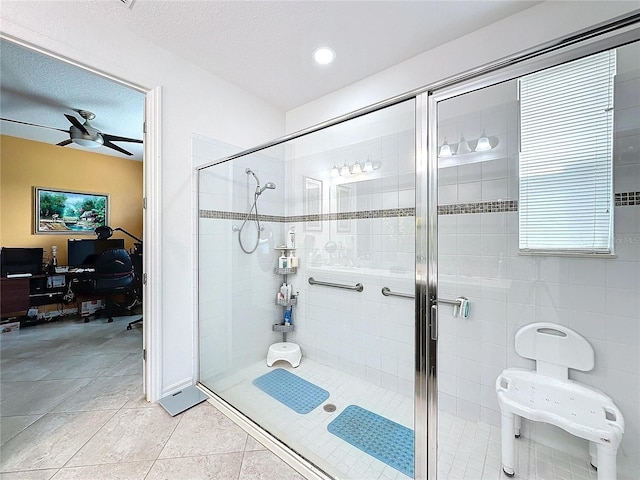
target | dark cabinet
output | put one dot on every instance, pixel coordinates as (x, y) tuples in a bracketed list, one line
[(14, 295)]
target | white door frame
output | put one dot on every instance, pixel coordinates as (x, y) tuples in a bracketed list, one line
[(152, 194)]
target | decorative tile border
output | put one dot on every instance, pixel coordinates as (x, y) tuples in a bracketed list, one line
[(627, 199), (621, 199), (478, 207), (391, 212)]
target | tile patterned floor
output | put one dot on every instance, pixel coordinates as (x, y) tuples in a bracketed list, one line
[(72, 408), (467, 449)]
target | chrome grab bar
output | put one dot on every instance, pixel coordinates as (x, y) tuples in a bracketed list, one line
[(357, 287), (388, 293), (460, 305)]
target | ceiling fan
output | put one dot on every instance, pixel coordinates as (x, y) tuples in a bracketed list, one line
[(85, 134)]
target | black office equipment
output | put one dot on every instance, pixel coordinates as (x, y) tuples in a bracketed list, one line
[(21, 261), (113, 274), (84, 252)]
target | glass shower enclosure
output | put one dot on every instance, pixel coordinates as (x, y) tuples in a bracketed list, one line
[(347, 192), (428, 231)]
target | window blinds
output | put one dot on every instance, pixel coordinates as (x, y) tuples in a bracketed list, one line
[(566, 131)]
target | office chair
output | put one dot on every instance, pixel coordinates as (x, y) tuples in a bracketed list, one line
[(105, 232), (113, 275)]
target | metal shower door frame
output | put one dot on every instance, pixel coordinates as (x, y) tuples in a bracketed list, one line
[(623, 31)]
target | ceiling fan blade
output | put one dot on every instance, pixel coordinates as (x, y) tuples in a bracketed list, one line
[(115, 138), (64, 142), (108, 144), (33, 124), (76, 123)]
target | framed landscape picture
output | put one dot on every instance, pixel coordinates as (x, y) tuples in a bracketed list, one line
[(69, 212)]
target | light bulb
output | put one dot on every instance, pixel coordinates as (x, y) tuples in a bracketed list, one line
[(324, 55), (344, 170), (483, 143), (356, 168), (463, 146), (445, 149), (334, 171), (368, 166)]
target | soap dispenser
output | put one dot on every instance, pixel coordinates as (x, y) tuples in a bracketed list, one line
[(282, 261), (291, 237)]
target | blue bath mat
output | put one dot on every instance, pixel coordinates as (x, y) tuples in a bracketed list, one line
[(381, 438), (295, 392)]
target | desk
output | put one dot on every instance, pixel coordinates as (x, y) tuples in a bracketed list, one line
[(17, 295)]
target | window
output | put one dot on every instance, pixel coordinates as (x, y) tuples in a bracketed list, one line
[(566, 130)]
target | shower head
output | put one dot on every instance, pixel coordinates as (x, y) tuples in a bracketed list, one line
[(269, 185)]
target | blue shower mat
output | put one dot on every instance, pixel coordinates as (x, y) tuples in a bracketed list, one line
[(296, 393), (377, 436)]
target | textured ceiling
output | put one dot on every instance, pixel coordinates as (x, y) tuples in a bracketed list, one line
[(264, 47), (35, 88)]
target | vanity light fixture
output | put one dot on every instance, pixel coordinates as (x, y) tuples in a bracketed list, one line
[(483, 143), (368, 166), (445, 149), (463, 146), (344, 170), (356, 168), (334, 170), (324, 55)]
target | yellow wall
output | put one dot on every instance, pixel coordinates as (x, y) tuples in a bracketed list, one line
[(25, 164)]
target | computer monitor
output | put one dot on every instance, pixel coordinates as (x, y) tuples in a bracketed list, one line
[(21, 261), (83, 252)]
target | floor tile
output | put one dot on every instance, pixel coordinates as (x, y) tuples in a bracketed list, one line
[(41, 396), (105, 393), (114, 471), (224, 466), (253, 444), (264, 465), (130, 364), (204, 430), (79, 366), (131, 435), (46, 474), (11, 426), (52, 440)]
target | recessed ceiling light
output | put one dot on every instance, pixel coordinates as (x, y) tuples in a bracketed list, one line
[(324, 55)]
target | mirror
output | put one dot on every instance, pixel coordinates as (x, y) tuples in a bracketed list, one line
[(313, 204)]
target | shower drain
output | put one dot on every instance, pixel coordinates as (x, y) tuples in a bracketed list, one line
[(329, 407)]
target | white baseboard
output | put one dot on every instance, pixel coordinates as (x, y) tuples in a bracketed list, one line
[(176, 387)]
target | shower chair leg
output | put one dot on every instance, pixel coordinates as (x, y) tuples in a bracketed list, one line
[(508, 443)]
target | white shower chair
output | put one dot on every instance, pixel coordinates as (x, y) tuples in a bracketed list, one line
[(547, 395)]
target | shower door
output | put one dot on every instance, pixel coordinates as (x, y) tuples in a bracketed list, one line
[(538, 221), (347, 192)]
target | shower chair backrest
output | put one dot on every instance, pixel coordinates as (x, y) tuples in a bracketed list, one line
[(555, 348)]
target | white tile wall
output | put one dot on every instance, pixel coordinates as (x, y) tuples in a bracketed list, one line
[(599, 298)]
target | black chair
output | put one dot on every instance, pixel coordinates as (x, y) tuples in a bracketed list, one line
[(113, 275)]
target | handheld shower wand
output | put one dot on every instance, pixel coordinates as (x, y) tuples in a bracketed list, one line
[(259, 190), (254, 208)]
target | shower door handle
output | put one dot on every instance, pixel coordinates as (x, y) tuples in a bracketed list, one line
[(433, 324)]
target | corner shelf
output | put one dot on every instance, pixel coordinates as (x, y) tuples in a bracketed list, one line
[(281, 327), (285, 271), (291, 303)]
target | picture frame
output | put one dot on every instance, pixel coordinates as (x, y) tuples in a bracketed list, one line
[(313, 204), (68, 212)]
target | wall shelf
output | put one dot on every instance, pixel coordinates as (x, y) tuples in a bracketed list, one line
[(281, 327)]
